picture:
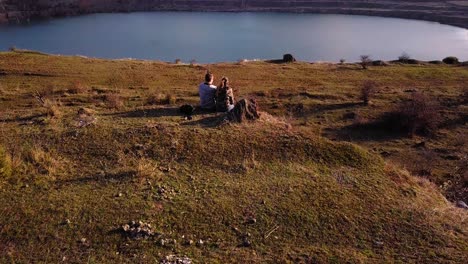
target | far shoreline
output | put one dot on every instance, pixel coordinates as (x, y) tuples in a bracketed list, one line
[(460, 22)]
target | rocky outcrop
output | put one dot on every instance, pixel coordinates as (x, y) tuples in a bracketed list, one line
[(447, 12)]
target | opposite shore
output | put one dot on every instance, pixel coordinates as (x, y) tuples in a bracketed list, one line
[(444, 12)]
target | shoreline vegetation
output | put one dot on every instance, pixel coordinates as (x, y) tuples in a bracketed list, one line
[(348, 163), (445, 12), (364, 60)]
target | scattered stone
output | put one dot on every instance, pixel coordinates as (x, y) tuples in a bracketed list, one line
[(246, 242), (83, 241), (173, 259), (378, 243), (385, 153), (200, 243), (188, 242), (462, 204), (137, 230), (252, 220), (451, 157), (119, 194), (85, 117), (167, 242), (164, 193), (66, 222), (410, 90)]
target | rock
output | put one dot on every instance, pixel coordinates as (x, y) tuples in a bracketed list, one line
[(410, 90), (137, 230), (462, 204), (252, 220), (288, 58), (173, 259), (451, 157), (66, 222), (200, 243), (83, 241), (379, 63), (246, 242), (85, 117)]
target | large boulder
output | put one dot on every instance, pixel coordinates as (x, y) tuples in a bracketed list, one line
[(288, 58)]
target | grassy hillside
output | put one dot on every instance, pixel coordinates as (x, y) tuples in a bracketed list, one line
[(277, 190)]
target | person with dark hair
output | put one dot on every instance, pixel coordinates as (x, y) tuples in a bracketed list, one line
[(224, 96), (207, 92)]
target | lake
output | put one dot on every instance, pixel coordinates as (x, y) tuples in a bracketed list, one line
[(216, 37)]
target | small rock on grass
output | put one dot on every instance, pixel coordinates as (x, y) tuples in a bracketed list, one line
[(462, 204), (173, 259), (137, 230)]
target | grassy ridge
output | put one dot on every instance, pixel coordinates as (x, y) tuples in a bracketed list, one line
[(262, 192)]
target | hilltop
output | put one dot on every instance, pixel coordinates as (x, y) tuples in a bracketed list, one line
[(286, 188), (447, 12)]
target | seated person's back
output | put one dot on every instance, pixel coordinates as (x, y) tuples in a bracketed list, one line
[(207, 93), (224, 96)]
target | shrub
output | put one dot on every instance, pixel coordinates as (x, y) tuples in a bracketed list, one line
[(5, 163), (365, 61), (418, 115), (404, 57), (77, 88), (451, 60), (53, 109), (114, 101), (369, 88), (161, 99), (342, 61), (177, 61), (288, 58)]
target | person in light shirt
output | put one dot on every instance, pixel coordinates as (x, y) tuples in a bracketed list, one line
[(207, 92)]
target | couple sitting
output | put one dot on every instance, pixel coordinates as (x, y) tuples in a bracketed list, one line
[(212, 98)]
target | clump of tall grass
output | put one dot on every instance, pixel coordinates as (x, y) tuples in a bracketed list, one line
[(161, 99), (5, 163), (114, 101)]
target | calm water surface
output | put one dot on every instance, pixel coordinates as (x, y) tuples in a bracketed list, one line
[(214, 37)]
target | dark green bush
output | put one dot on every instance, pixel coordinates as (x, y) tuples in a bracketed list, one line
[(451, 60)]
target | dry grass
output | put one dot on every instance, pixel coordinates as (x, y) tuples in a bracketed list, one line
[(204, 179), (43, 162)]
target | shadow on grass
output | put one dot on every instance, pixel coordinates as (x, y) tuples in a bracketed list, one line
[(376, 130), (366, 133), (210, 121), (99, 178), (156, 112), (22, 119), (331, 107), (453, 123)]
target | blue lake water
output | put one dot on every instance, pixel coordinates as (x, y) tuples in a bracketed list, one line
[(215, 37)]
